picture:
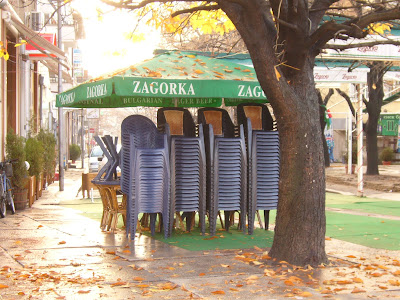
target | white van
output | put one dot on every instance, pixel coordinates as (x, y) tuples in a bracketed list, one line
[(95, 157)]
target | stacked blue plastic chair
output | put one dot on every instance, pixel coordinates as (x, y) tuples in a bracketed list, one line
[(264, 160), (226, 167), (145, 172), (187, 159)]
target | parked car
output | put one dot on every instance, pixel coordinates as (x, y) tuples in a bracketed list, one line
[(95, 157)]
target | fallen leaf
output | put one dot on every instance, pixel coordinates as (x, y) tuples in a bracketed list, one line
[(326, 292), (376, 274), (394, 282), (197, 71), (305, 294), (218, 293), (2, 286), (234, 290), (138, 279), (62, 242), (350, 256), (202, 274), (169, 286), (224, 266), (83, 292), (289, 283), (382, 287), (358, 280), (110, 252), (328, 239), (397, 273), (118, 283), (383, 267), (127, 251), (357, 290), (252, 277), (344, 282)]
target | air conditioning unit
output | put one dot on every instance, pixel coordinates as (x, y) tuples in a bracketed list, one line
[(36, 20)]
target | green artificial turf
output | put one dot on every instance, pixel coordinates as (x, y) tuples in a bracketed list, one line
[(365, 205), (363, 230), (233, 239), (367, 231)]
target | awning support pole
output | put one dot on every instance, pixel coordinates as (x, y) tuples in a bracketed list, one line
[(360, 181)]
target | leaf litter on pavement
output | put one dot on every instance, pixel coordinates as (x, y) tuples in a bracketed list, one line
[(351, 274)]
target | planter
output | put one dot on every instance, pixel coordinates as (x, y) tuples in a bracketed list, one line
[(20, 199), (39, 186), (386, 163), (353, 169), (31, 186)]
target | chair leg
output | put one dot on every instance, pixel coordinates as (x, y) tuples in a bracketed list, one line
[(220, 218), (227, 215), (259, 219), (266, 219), (179, 218), (153, 218), (189, 219), (160, 222)]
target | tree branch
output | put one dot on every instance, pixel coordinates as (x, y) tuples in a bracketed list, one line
[(132, 6), (328, 96), (194, 9), (347, 98), (317, 11)]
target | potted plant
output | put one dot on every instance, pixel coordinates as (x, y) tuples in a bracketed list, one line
[(74, 152), (49, 144), (387, 155), (35, 156), (15, 149)]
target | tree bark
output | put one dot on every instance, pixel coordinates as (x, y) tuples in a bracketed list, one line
[(374, 105)]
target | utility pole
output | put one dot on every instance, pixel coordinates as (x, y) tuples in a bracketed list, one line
[(61, 141)]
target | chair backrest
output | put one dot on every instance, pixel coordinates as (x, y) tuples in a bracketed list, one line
[(219, 119), (259, 115), (215, 119), (179, 119), (144, 135)]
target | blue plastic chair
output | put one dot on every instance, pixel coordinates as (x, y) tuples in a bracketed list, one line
[(188, 173), (145, 173), (264, 163), (226, 169)]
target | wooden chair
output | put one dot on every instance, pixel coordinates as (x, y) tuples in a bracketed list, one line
[(116, 208)]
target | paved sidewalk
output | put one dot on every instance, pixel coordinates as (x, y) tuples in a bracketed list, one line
[(53, 252)]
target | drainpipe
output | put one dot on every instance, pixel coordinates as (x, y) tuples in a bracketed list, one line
[(41, 83), (61, 142)]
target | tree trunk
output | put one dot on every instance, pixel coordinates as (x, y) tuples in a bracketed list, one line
[(300, 223), (375, 91)]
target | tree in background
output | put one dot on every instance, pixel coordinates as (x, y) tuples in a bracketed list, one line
[(283, 38)]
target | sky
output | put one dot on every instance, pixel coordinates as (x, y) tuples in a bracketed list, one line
[(105, 48)]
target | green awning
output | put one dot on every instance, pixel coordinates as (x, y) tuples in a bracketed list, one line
[(170, 79)]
